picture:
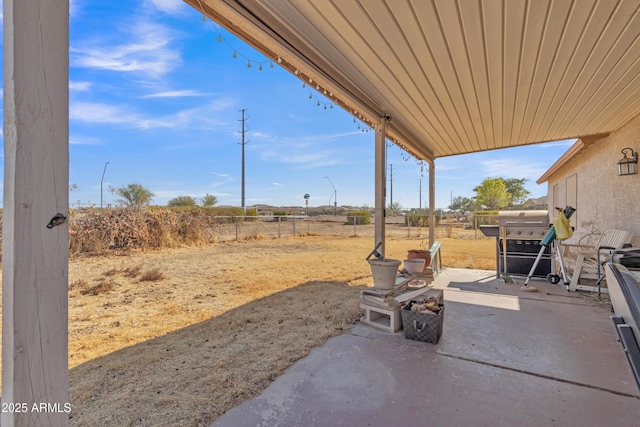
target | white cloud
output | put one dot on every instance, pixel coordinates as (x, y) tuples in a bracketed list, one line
[(147, 52), (79, 86), (226, 179), (274, 186), (101, 113), (83, 140), (169, 6), (512, 168), (306, 151), (202, 117), (174, 94)]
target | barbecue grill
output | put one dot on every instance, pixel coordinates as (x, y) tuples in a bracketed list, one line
[(518, 236)]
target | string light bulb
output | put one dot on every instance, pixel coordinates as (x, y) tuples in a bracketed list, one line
[(235, 55), (204, 18), (249, 64), (219, 38), (260, 67)]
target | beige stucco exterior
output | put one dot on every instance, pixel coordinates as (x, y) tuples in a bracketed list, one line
[(589, 181)]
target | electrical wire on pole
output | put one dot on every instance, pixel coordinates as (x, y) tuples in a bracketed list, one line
[(243, 143)]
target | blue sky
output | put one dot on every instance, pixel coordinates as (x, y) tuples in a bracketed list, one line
[(157, 96)]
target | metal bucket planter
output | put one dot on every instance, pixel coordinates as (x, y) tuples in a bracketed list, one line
[(384, 272)]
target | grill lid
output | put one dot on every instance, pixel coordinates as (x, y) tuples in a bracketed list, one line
[(523, 218)]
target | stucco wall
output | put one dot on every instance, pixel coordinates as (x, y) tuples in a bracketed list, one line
[(604, 199)]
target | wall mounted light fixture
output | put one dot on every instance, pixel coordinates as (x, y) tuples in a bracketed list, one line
[(628, 165)]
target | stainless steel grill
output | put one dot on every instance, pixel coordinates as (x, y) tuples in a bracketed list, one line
[(518, 235)]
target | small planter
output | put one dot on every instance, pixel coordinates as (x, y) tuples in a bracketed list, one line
[(414, 265), (384, 272), (420, 253)]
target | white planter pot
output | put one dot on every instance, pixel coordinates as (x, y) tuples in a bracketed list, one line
[(384, 272), (414, 266)]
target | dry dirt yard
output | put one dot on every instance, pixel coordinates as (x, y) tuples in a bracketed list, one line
[(178, 337)]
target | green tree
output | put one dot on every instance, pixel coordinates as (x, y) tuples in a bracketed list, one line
[(492, 194), (394, 209), (515, 188), (182, 201), (208, 201), (462, 204), (134, 195)]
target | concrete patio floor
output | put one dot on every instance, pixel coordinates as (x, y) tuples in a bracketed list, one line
[(506, 357)]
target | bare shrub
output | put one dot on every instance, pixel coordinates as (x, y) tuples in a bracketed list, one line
[(132, 271), (102, 287), (98, 232), (111, 272), (79, 284), (153, 275)]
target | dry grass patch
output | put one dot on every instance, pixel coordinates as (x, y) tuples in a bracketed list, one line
[(132, 271), (153, 275), (102, 287), (192, 376)]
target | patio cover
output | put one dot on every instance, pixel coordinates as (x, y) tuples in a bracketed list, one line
[(456, 76)]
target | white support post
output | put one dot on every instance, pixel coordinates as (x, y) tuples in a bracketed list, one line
[(36, 187), (432, 203), (380, 184)]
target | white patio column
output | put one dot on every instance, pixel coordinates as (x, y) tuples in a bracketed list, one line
[(36, 188), (380, 184), (432, 202)]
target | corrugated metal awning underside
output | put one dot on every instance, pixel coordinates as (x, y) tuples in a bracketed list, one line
[(457, 76)]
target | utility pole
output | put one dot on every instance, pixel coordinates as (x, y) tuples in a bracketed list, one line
[(243, 143), (391, 177), (420, 205)]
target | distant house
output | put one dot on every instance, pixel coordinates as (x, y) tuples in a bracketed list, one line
[(539, 203), (586, 177)]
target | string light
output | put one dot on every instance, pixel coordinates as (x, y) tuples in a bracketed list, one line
[(279, 60), (220, 39)]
